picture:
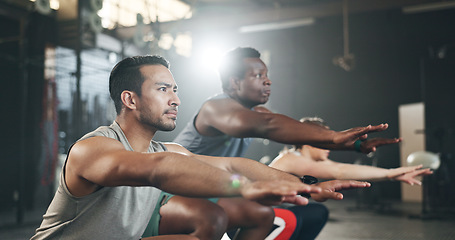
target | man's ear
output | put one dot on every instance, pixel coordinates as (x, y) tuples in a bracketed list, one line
[(128, 99), (235, 83)]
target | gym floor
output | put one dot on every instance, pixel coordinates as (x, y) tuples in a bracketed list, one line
[(348, 221), (401, 221)]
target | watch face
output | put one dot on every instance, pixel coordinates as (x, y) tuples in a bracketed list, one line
[(307, 179)]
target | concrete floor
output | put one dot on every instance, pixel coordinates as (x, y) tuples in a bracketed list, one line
[(398, 221), (347, 221)]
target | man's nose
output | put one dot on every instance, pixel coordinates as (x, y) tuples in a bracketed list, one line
[(175, 100)]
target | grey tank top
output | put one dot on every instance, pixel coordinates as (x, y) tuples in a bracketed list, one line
[(109, 213), (223, 145)]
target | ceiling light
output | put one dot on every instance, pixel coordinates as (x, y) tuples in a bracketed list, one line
[(277, 25)]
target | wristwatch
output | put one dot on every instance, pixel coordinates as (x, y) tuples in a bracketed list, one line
[(307, 179)]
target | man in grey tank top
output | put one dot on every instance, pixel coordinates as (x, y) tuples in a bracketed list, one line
[(113, 176)]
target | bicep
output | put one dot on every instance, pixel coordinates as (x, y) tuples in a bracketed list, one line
[(232, 119), (105, 162)]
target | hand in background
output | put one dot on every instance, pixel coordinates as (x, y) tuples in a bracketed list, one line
[(330, 189)]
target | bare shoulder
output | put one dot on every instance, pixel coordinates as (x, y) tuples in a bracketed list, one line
[(85, 148), (177, 148), (220, 106), (86, 152), (262, 109)]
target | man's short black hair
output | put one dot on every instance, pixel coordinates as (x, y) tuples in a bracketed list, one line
[(126, 76), (232, 64)]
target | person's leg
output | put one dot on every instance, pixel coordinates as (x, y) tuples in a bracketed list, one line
[(310, 220), (297, 222), (195, 216), (254, 220)]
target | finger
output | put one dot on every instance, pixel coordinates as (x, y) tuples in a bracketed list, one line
[(362, 131), (298, 200), (424, 172), (349, 184), (408, 182), (412, 168), (371, 129), (379, 128), (301, 200), (385, 141), (404, 170), (373, 149), (363, 137), (292, 189), (331, 195), (376, 142), (417, 182), (354, 184), (310, 189), (419, 166)]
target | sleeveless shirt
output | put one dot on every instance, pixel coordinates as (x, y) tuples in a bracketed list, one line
[(120, 212), (223, 145)]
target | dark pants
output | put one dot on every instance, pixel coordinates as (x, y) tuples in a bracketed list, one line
[(298, 222)]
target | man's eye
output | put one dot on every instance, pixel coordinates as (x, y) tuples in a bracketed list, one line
[(162, 89), (259, 75)]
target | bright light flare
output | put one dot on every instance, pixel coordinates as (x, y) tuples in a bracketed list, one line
[(210, 57)]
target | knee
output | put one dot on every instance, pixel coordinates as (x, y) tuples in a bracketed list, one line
[(267, 214), (263, 215), (217, 223), (211, 223)]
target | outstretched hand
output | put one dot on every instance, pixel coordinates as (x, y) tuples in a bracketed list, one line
[(348, 137), (277, 192), (330, 189), (408, 174)]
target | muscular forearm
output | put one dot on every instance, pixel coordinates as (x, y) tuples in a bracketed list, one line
[(219, 183), (183, 175), (251, 169), (283, 129)]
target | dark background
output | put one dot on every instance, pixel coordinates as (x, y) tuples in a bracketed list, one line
[(399, 59)]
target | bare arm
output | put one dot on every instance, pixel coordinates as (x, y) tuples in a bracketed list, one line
[(251, 169), (229, 117), (103, 162), (328, 169), (112, 165), (259, 172)]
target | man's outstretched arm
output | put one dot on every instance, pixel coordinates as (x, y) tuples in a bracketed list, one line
[(231, 118), (256, 171), (90, 167)]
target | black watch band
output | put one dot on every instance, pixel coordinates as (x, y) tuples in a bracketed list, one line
[(307, 179)]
